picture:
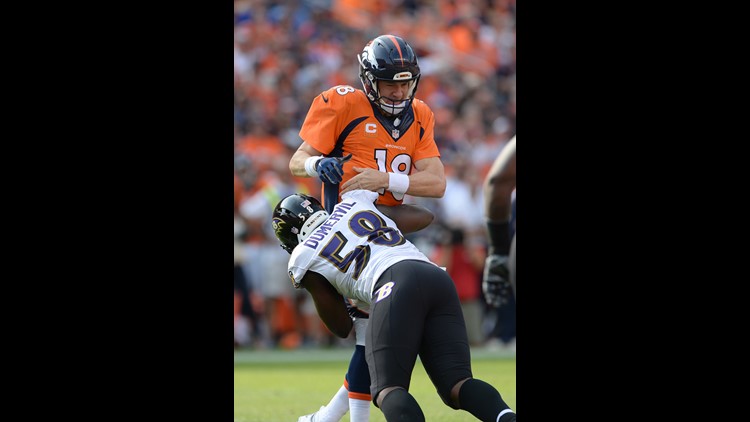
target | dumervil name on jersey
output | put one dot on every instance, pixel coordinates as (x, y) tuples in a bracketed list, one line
[(320, 233)]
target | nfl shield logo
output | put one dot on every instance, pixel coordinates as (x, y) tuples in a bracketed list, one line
[(395, 133)]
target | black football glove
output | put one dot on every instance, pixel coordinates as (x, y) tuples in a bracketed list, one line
[(496, 281), (330, 169), (355, 312)]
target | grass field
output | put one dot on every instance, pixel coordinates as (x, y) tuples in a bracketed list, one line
[(281, 385)]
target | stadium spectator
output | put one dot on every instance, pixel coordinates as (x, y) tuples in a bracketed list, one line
[(246, 317), (284, 326), (463, 260), (461, 246)]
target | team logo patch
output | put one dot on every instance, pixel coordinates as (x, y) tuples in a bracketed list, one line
[(384, 291)]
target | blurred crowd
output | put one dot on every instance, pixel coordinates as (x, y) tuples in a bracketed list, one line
[(286, 53)]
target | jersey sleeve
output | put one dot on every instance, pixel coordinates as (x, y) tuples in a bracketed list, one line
[(320, 128), (295, 269), (362, 195)]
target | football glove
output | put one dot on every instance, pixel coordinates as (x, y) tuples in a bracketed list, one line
[(355, 312), (496, 281), (330, 169)]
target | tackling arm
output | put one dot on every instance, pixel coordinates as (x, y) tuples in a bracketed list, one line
[(329, 303), (426, 181), (408, 217)]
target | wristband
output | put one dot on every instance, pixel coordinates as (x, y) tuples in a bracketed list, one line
[(310, 163), (398, 183), (499, 234)]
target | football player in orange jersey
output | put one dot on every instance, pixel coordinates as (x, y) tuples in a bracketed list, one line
[(380, 139)]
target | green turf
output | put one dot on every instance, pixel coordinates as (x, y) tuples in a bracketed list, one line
[(277, 386)]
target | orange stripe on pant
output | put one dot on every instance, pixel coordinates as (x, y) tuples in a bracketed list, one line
[(357, 396)]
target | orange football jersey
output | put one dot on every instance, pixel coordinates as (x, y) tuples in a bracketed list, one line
[(342, 120)]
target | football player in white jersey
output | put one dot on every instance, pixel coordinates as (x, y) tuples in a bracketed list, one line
[(358, 252)]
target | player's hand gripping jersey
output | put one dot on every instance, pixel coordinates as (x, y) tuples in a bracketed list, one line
[(342, 120), (353, 247)]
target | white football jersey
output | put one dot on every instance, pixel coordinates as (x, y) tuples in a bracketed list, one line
[(353, 247)]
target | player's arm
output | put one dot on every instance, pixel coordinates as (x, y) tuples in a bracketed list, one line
[(498, 187), (329, 303), (408, 217), (297, 163), (499, 184), (308, 162), (427, 180)]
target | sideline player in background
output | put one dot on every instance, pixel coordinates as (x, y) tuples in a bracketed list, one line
[(499, 280), (358, 252), (379, 139)]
